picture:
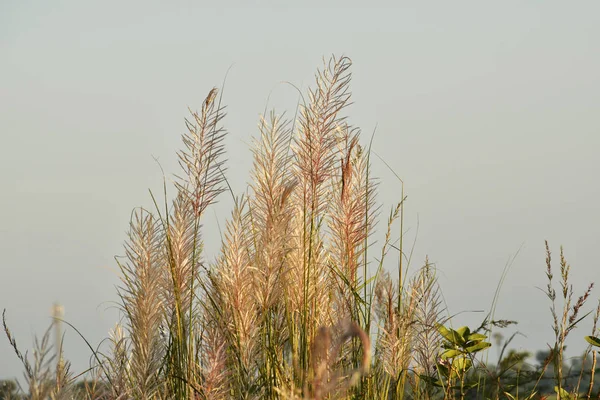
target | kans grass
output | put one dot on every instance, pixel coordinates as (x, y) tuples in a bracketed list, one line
[(297, 305)]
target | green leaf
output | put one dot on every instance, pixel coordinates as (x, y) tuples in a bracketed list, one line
[(594, 341), (563, 393), (451, 335), (462, 364), (476, 337), (478, 347), (463, 331), (451, 353), (574, 324)]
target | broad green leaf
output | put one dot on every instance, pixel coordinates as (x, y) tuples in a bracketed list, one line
[(451, 353), (477, 337), (478, 347), (462, 364), (451, 335), (463, 331), (594, 341)]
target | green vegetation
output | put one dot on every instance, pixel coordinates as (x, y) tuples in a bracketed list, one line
[(297, 305)]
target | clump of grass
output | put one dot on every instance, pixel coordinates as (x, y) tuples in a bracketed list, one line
[(565, 321), (46, 376), (293, 263), (287, 308)]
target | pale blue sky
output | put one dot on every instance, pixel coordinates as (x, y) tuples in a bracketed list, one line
[(489, 112)]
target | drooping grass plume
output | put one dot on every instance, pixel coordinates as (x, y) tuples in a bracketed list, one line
[(44, 377), (428, 313), (352, 220), (314, 151), (565, 321), (231, 301), (271, 207), (117, 364), (397, 331), (142, 302), (202, 159)]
